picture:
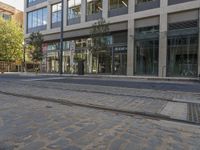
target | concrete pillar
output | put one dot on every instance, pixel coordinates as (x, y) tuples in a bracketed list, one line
[(162, 67), (49, 17), (130, 48), (131, 6), (83, 10), (199, 48), (105, 9), (25, 17), (65, 14)]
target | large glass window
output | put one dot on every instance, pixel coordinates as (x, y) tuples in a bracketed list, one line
[(74, 9), (113, 4), (37, 18), (56, 13), (183, 49), (94, 6), (146, 49)]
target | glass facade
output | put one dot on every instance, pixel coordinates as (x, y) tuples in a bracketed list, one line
[(183, 49), (56, 13), (74, 9), (37, 19), (146, 50), (112, 60), (94, 6), (114, 4)]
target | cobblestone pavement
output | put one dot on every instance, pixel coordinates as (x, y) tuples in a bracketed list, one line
[(27, 124), (167, 103), (30, 124)]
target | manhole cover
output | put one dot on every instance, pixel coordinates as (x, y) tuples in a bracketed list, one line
[(194, 112)]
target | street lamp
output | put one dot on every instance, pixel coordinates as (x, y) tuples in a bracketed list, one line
[(61, 39)]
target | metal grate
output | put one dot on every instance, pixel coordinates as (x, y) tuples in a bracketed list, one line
[(194, 112)]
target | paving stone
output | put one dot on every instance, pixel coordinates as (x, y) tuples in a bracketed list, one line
[(64, 127), (61, 143), (34, 145), (116, 144)]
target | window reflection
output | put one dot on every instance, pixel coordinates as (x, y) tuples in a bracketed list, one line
[(56, 13), (94, 6), (113, 4), (37, 18), (74, 9)]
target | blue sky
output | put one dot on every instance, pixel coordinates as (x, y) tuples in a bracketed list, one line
[(19, 4)]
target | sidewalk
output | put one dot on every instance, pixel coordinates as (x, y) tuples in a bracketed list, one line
[(101, 76)]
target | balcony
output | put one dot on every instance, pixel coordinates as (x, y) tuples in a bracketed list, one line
[(56, 24), (118, 11), (74, 21), (172, 2), (95, 16), (36, 29), (147, 5)]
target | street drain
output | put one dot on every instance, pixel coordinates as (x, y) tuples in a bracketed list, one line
[(194, 112)]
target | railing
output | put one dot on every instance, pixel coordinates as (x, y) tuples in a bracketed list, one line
[(95, 16), (147, 5), (74, 21), (118, 11), (172, 2), (35, 29), (56, 24)]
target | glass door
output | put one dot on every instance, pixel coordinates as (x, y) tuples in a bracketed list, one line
[(120, 63)]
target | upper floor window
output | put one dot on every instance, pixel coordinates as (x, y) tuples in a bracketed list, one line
[(94, 6), (34, 2), (56, 13), (37, 20), (113, 4), (74, 9), (5, 16)]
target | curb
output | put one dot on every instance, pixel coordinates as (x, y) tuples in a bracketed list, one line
[(111, 77)]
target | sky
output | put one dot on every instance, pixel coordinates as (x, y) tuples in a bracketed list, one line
[(19, 4)]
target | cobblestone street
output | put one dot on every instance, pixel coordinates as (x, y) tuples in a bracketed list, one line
[(29, 121)]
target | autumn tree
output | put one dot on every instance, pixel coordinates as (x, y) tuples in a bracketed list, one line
[(11, 39)]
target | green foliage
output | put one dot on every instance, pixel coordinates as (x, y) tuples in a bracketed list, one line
[(35, 44), (98, 34), (11, 39)]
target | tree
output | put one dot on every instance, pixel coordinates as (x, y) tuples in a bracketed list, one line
[(98, 34), (11, 39), (35, 44)]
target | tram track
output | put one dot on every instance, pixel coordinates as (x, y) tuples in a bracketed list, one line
[(153, 116), (112, 94)]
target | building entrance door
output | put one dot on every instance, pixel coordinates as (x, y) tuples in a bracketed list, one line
[(120, 63)]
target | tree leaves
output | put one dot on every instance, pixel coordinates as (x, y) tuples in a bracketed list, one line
[(35, 42), (11, 39), (98, 34)]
